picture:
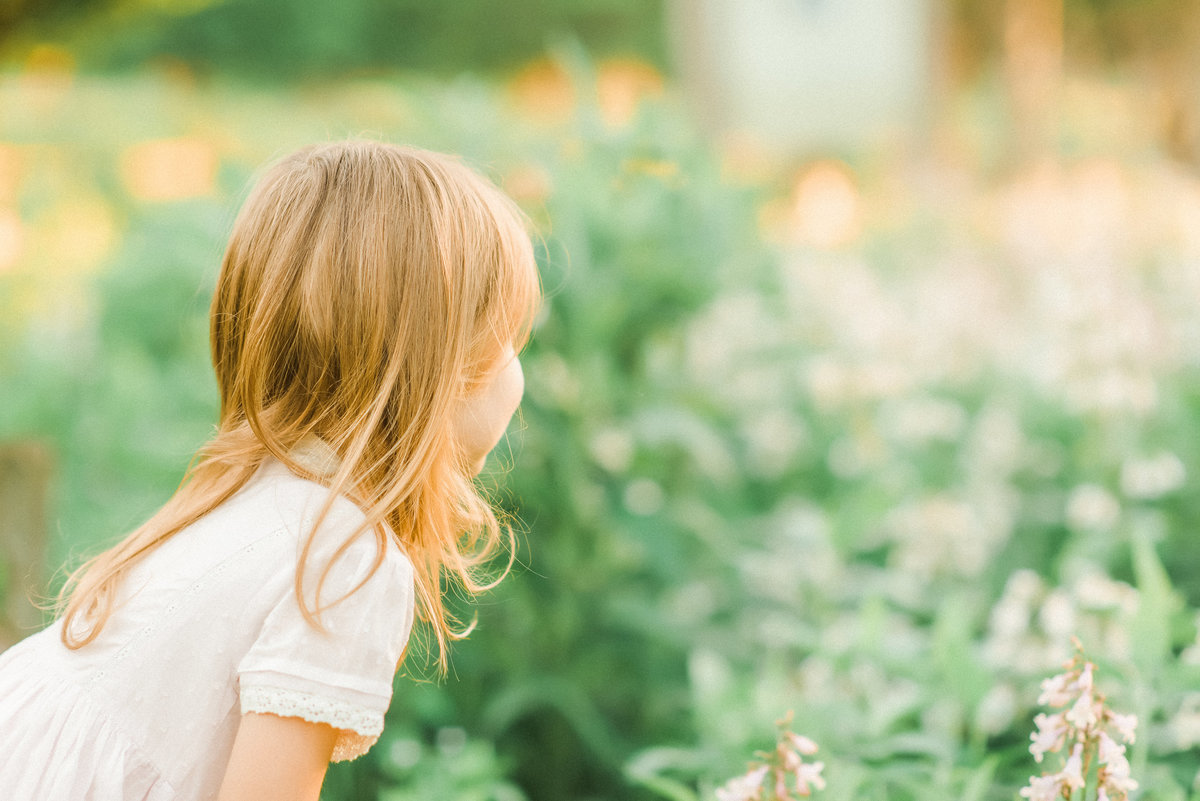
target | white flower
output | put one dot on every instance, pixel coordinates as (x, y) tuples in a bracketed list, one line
[(1125, 724), (1086, 681), (613, 449), (781, 790), (809, 774), (744, 787), (1043, 788), (802, 744), (1109, 753), (1072, 772), (1057, 615), (1083, 724), (1085, 713), (1050, 734), (996, 709), (1056, 691), (1115, 776), (1152, 476), (1091, 506)]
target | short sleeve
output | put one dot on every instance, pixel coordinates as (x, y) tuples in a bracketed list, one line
[(342, 675)]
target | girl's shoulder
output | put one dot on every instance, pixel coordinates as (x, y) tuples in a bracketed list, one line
[(295, 505)]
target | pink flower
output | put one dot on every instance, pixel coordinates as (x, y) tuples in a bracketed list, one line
[(809, 774), (782, 762), (1115, 776), (1050, 735), (781, 790), (1109, 752), (1072, 772), (1055, 691), (1043, 788), (1125, 724), (1084, 724), (1084, 714), (1084, 683), (802, 744), (745, 787)]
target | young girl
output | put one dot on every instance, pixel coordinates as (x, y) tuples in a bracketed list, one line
[(364, 330)]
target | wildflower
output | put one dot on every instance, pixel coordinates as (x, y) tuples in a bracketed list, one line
[(1109, 752), (1086, 680), (774, 769), (1055, 691), (1043, 788), (1083, 725), (1072, 773), (809, 774), (1114, 768), (802, 744), (1125, 725), (1083, 713), (746, 787), (1050, 736)]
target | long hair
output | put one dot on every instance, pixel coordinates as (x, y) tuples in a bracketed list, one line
[(367, 288)]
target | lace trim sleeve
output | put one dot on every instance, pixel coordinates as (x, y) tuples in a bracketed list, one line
[(358, 728)]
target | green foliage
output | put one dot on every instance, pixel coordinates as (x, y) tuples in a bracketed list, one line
[(754, 475), (283, 39)]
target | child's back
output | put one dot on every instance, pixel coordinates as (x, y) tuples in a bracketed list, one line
[(150, 708)]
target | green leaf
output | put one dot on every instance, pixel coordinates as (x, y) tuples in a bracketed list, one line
[(980, 780), (646, 768), (953, 651), (1151, 631)]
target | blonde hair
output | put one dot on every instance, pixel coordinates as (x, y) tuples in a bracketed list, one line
[(365, 290)]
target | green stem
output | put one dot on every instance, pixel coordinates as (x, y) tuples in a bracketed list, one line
[(1089, 749)]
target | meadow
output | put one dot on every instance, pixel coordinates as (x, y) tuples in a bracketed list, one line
[(864, 440)]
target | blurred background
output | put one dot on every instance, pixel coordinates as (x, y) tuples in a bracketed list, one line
[(868, 376)]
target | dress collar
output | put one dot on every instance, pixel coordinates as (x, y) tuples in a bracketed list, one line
[(316, 456)]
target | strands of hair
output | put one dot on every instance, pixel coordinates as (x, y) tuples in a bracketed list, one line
[(365, 289)]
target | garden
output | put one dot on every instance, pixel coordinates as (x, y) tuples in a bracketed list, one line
[(824, 457)]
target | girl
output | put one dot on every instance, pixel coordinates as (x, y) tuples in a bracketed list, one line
[(364, 331)]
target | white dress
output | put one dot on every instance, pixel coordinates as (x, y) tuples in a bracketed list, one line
[(208, 628)]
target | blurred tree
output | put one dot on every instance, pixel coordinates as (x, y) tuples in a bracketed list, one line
[(17, 14), (1033, 70), (1036, 42), (1159, 42), (282, 39)]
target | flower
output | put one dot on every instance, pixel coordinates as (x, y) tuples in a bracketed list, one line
[(1050, 735), (745, 787), (1083, 713), (802, 744), (1056, 690), (1084, 722), (1086, 681), (1115, 777), (1109, 752), (809, 774), (1125, 725), (783, 763), (1072, 773), (1043, 788)]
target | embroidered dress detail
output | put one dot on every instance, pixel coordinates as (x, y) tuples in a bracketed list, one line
[(360, 727)]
